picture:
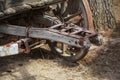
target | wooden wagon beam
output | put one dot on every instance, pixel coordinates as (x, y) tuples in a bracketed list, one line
[(26, 7)]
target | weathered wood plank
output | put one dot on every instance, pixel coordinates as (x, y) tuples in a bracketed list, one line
[(17, 6)]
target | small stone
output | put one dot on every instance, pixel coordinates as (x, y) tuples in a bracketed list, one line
[(1, 14), (20, 64), (9, 71)]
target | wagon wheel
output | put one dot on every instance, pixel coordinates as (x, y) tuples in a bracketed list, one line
[(78, 13)]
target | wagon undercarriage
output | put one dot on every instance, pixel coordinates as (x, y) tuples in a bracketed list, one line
[(65, 33)]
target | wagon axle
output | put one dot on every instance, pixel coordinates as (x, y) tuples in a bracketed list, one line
[(65, 33)]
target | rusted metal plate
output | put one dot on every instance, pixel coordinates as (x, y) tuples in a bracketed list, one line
[(10, 49), (14, 48)]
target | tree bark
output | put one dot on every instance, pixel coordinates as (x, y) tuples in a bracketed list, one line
[(103, 14)]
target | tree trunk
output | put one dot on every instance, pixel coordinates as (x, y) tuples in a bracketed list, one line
[(103, 14)]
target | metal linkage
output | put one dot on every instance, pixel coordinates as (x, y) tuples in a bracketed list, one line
[(77, 32)]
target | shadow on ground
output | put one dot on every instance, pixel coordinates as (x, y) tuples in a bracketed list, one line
[(105, 62), (12, 64)]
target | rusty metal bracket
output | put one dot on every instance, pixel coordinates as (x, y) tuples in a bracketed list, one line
[(25, 43), (14, 48)]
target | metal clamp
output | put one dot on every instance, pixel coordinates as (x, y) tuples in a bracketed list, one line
[(25, 43)]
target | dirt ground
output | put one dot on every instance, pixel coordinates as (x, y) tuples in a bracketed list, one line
[(99, 64)]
